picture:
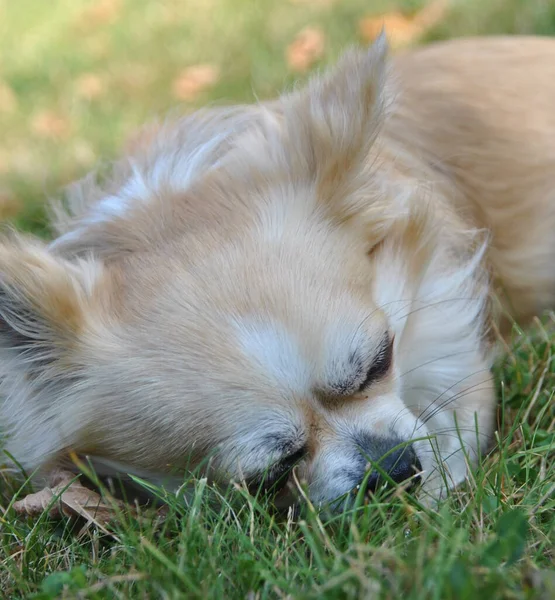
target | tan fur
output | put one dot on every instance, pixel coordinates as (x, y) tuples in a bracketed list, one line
[(248, 263), (479, 114)]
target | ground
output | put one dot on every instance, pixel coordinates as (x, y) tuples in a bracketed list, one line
[(76, 80)]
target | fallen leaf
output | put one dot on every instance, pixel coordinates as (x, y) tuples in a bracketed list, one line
[(9, 205), (69, 498), (307, 48), (191, 82), (101, 12), (399, 29), (402, 29), (8, 99), (90, 86), (432, 13), (48, 124)]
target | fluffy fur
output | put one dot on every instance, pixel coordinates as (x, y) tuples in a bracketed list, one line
[(225, 292)]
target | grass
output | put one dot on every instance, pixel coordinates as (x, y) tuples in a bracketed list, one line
[(493, 538)]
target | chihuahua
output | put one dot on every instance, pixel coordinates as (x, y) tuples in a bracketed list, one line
[(314, 282)]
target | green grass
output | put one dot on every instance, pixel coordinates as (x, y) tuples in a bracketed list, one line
[(494, 538)]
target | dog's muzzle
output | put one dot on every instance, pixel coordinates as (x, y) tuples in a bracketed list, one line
[(388, 459)]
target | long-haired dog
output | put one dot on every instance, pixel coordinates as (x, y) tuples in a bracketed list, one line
[(307, 282)]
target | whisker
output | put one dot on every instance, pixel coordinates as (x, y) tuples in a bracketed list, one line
[(440, 302), (433, 360), (458, 396), (368, 317), (400, 414), (455, 435), (421, 415)]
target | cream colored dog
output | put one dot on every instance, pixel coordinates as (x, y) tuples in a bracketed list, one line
[(304, 282)]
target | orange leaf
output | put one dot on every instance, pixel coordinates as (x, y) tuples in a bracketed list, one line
[(90, 86), (9, 205), (71, 499), (101, 12), (48, 124), (191, 82), (401, 29), (307, 48)]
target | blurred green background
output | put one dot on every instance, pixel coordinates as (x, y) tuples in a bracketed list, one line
[(78, 77)]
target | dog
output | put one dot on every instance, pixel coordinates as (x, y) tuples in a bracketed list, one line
[(314, 282)]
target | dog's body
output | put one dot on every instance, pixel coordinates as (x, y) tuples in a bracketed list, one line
[(480, 114), (308, 280)]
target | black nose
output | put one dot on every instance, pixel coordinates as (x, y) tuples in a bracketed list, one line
[(400, 465)]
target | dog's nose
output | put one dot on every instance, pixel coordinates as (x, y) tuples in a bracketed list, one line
[(401, 464)]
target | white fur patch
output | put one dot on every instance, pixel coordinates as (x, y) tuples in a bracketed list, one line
[(111, 206), (439, 353), (178, 155), (277, 352)]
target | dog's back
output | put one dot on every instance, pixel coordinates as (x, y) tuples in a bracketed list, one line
[(481, 114)]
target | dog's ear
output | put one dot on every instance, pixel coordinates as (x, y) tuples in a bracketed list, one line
[(334, 120), (43, 304)]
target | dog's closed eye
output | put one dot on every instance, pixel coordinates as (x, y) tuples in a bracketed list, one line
[(361, 372), (380, 365), (275, 476)]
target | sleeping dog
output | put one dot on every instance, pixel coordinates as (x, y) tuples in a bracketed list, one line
[(315, 281)]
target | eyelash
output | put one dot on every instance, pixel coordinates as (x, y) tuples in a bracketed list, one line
[(288, 462), (380, 366), (276, 476)]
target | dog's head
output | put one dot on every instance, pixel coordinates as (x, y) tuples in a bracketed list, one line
[(263, 288)]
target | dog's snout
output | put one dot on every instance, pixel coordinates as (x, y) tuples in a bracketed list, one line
[(400, 465)]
